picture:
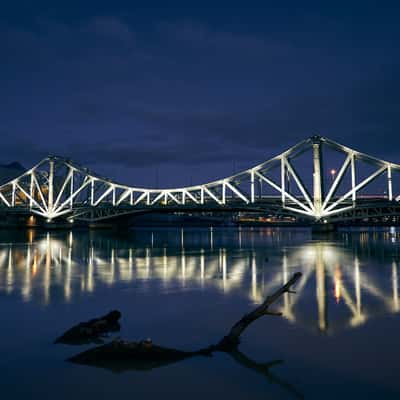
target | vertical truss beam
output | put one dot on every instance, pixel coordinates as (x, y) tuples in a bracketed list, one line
[(317, 178), (283, 180), (353, 179), (50, 193), (252, 186)]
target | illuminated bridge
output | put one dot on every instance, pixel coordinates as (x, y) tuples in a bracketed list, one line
[(317, 180)]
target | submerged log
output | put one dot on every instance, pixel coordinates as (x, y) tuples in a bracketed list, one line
[(89, 331)]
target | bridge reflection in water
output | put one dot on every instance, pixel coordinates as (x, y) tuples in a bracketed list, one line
[(346, 281)]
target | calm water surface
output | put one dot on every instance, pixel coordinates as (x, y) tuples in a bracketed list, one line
[(184, 288)]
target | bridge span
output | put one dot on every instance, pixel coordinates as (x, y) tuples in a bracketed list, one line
[(295, 183)]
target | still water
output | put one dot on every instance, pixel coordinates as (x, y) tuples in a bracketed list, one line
[(338, 336)]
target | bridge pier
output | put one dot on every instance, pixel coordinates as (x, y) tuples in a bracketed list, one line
[(320, 227)]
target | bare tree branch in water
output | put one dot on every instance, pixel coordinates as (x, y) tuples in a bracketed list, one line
[(119, 355), (264, 369)]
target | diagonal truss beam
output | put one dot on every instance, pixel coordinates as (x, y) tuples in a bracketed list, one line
[(306, 210), (64, 185), (212, 195), (29, 197), (6, 202), (299, 183), (190, 195), (123, 196), (362, 184), (237, 192), (338, 180), (85, 183), (38, 188)]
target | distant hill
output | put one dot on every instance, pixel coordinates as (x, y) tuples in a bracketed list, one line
[(10, 171)]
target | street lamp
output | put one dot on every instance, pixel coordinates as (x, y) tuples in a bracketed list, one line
[(333, 173)]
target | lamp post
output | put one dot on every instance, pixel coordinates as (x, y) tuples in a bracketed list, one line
[(333, 173)]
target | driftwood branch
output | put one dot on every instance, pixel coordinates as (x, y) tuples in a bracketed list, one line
[(119, 355), (92, 330), (145, 350), (232, 339)]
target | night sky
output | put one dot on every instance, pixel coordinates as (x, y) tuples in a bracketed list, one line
[(177, 92)]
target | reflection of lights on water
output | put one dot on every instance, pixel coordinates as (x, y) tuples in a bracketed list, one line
[(10, 272), (202, 263), (395, 287), (254, 278), (35, 262), (323, 263), (183, 267), (31, 221), (30, 236), (393, 234), (338, 283), (70, 239)]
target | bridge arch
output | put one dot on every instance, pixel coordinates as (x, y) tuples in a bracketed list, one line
[(57, 187)]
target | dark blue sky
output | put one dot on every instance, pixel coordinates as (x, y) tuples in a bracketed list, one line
[(194, 91)]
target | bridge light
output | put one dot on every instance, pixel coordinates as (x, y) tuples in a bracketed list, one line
[(71, 220), (333, 173)]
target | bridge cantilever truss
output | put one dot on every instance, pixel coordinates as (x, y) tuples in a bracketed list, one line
[(57, 187)]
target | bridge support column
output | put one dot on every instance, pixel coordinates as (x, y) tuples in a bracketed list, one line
[(252, 186), (353, 180), (318, 183), (51, 188), (283, 168), (31, 191), (320, 228), (13, 194), (389, 175)]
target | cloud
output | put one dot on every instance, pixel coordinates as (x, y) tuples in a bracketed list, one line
[(110, 27), (107, 93)]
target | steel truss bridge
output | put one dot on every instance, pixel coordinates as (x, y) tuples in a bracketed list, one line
[(57, 189)]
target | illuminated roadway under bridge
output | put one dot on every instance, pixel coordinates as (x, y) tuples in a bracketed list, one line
[(57, 188)]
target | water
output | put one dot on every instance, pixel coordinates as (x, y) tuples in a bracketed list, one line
[(338, 337)]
